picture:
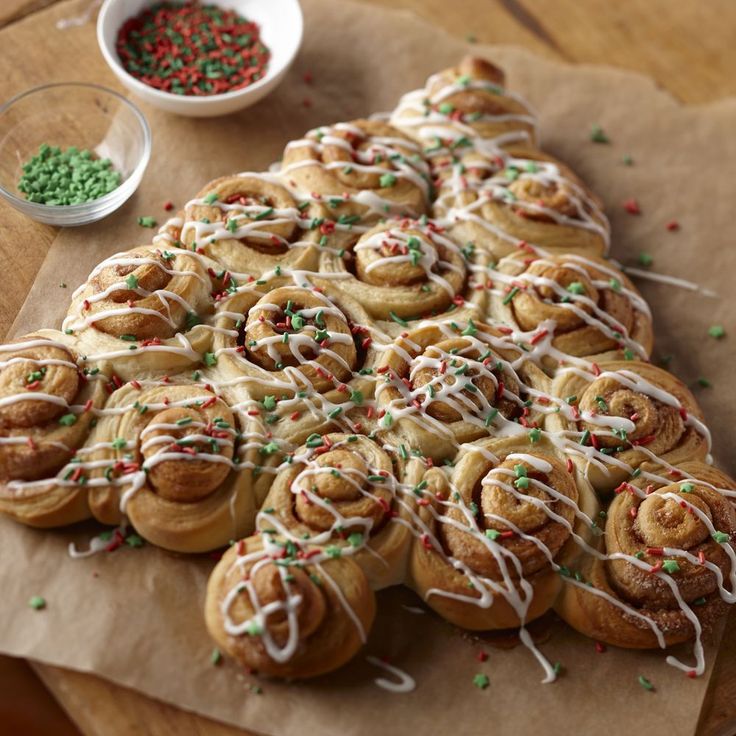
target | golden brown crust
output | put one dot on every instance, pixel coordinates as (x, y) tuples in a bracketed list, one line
[(364, 167), (443, 384), (492, 529), (40, 436), (597, 311), (648, 589), (168, 457), (335, 613), (653, 414)]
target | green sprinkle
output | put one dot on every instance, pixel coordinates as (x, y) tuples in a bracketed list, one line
[(507, 299), (263, 215), (704, 382), (67, 177), (387, 180), (645, 259), (670, 566), (627, 160), (535, 435), (597, 134), (399, 321), (645, 683), (211, 198), (132, 281), (481, 681), (687, 488), (333, 551), (133, 540), (355, 539), (253, 629), (147, 221), (470, 330), (216, 657), (721, 537), (68, 420), (576, 288), (37, 602), (716, 331), (210, 359), (269, 403)]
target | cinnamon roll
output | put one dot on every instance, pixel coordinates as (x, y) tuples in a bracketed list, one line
[(295, 339), (669, 567), (468, 101), (443, 384), (175, 460), (612, 416), (48, 401), (572, 306), (530, 202), (285, 614), (498, 527), (145, 309), (347, 495), (363, 169), (251, 223), (406, 269)]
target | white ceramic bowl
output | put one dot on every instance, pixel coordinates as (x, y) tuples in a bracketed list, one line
[(281, 25)]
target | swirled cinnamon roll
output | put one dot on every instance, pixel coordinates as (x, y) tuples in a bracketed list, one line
[(528, 201), (615, 415), (668, 571), (48, 400), (443, 384), (406, 269), (284, 614), (468, 101), (363, 169), (177, 461), (498, 527), (251, 223), (349, 495), (145, 309), (572, 305)]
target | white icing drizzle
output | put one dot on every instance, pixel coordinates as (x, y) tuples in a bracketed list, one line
[(404, 683)]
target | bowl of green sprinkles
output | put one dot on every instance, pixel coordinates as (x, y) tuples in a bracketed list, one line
[(200, 58), (71, 153)]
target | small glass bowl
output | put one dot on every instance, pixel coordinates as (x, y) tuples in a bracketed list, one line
[(73, 114)]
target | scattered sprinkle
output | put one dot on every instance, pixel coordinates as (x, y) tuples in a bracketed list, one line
[(598, 135)]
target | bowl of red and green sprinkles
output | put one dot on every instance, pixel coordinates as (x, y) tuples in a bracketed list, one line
[(200, 58), (71, 153)]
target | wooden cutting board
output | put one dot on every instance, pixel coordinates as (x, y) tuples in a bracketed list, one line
[(687, 46)]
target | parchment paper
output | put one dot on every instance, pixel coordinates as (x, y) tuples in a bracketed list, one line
[(134, 616)]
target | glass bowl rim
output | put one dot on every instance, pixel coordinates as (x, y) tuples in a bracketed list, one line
[(83, 207)]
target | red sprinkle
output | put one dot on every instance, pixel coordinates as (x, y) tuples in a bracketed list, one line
[(632, 207), (217, 51)]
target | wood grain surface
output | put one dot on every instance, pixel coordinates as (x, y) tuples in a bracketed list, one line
[(687, 46)]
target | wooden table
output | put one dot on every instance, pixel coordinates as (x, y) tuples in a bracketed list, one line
[(687, 46)]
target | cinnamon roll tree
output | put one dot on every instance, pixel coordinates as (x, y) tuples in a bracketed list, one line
[(400, 356)]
